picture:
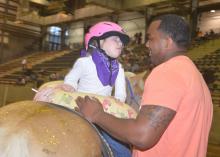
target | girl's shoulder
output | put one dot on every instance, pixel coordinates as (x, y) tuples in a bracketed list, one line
[(120, 66), (86, 59)]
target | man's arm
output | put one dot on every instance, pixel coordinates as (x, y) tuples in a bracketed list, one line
[(149, 126), (143, 132)]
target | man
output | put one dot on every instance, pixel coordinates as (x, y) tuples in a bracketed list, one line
[(176, 110)]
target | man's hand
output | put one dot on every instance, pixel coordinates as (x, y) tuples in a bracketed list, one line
[(91, 108)]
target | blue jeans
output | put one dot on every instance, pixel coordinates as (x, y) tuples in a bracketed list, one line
[(118, 148)]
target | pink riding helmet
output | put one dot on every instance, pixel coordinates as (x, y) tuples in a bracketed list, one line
[(103, 30)]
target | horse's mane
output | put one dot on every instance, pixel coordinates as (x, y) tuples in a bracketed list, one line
[(14, 145)]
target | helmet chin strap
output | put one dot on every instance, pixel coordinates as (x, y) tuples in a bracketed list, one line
[(103, 51), (109, 57), (92, 46)]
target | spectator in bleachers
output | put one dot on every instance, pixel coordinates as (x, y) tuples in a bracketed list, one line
[(206, 36), (59, 76), (136, 38), (30, 75), (42, 71), (126, 63), (24, 64), (39, 80), (135, 59), (21, 81), (209, 76), (139, 38), (199, 34), (28, 71), (53, 77), (135, 67), (211, 33)]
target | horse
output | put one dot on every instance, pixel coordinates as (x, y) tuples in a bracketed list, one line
[(135, 88), (42, 129)]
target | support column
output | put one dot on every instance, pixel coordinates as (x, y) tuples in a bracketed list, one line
[(63, 36), (42, 38), (148, 16), (194, 15), (1, 44), (114, 18), (3, 32)]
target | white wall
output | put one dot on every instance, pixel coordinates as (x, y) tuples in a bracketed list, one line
[(133, 23), (76, 34), (209, 21)]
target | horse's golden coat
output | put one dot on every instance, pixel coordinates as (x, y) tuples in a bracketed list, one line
[(38, 129)]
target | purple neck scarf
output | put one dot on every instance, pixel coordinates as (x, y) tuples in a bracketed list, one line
[(83, 53), (107, 69)]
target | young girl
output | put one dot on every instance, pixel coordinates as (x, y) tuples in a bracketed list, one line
[(100, 72)]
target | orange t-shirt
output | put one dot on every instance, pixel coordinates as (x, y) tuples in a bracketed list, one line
[(178, 85)]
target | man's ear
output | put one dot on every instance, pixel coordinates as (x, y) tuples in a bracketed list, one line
[(169, 42)]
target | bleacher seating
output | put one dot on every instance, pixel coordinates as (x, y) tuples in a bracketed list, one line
[(51, 62), (211, 62)]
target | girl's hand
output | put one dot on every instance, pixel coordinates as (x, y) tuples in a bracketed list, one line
[(43, 94), (66, 88)]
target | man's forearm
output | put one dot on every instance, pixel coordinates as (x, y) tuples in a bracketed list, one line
[(122, 129)]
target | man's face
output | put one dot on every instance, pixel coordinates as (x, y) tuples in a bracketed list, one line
[(156, 43)]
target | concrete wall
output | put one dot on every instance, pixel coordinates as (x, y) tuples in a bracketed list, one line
[(77, 31), (76, 34), (14, 93), (209, 20), (134, 22), (131, 22)]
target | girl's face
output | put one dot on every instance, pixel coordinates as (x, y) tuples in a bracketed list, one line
[(112, 46)]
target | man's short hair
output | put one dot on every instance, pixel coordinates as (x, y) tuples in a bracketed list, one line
[(175, 27)]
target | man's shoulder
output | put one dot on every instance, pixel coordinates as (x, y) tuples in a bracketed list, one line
[(178, 63)]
